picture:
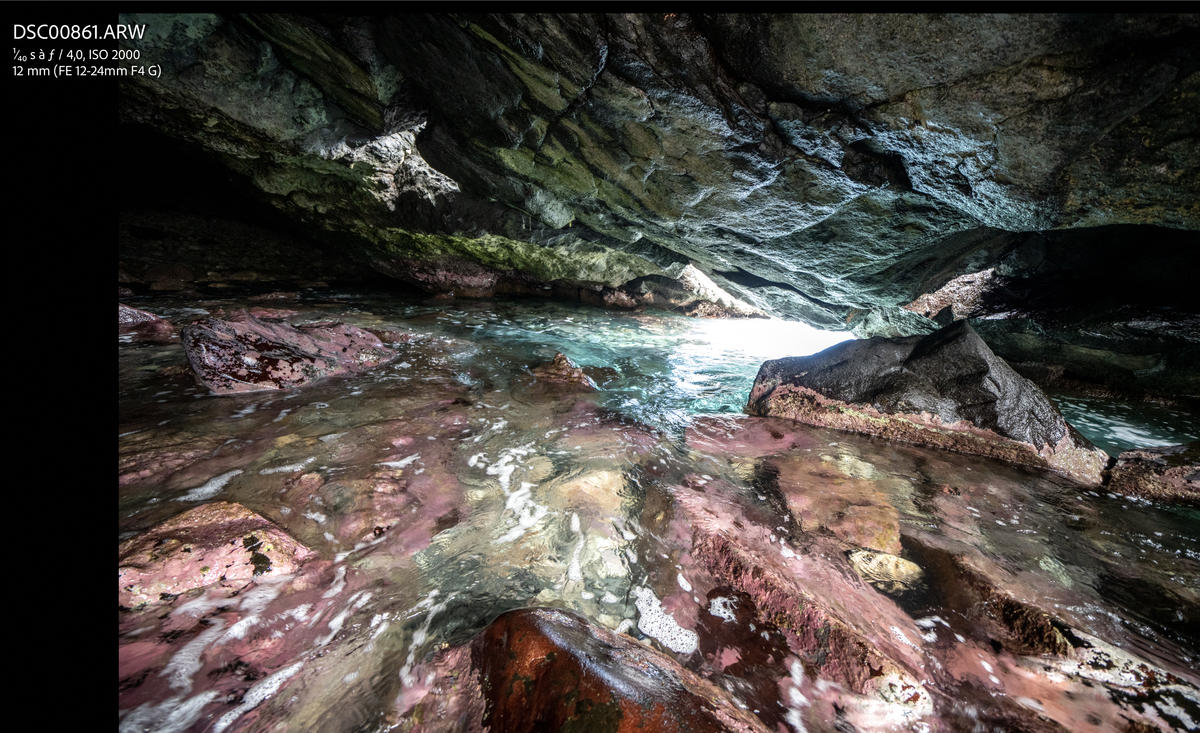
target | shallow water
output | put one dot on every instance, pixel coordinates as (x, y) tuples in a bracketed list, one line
[(1117, 427), (447, 487)]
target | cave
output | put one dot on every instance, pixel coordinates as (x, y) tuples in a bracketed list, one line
[(656, 371)]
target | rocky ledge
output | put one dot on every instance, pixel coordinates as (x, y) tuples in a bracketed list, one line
[(246, 353), (945, 390), (1170, 474), (221, 542)]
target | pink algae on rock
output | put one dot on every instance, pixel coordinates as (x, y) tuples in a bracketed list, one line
[(220, 542), (245, 353)]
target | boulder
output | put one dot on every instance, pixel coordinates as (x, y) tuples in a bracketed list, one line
[(220, 542), (1171, 473), (545, 669), (945, 390), (143, 326), (247, 354)]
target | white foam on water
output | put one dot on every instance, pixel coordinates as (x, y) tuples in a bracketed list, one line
[(421, 634), (655, 622), (257, 695), (339, 582), (400, 463), (608, 597), (683, 582), (574, 572), (209, 488), (527, 511), (331, 436), (291, 467), (252, 407), (902, 637), (186, 662), (317, 517), (168, 716)]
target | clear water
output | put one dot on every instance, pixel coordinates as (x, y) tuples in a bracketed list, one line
[(446, 487), (1117, 427)]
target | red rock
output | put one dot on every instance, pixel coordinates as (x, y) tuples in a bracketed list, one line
[(1166, 474), (220, 542), (246, 354), (143, 325), (545, 669)]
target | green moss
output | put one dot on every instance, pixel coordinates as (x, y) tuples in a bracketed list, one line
[(546, 86), (578, 261)]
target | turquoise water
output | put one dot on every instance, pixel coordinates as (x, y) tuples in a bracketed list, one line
[(665, 367)]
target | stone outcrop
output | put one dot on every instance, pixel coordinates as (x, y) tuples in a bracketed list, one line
[(249, 354), (888, 153), (141, 325), (1169, 474), (220, 542), (946, 390)]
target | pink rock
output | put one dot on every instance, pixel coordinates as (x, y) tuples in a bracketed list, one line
[(273, 314), (246, 354), (1165, 474), (143, 325), (214, 543)]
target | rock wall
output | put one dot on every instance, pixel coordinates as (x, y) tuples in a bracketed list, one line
[(830, 168)]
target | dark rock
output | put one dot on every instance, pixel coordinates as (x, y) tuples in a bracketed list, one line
[(945, 390), (215, 543), (245, 354), (559, 152), (690, 292), (546, 669), (144, 326), (1163, 474)]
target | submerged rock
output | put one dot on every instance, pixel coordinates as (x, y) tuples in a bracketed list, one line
[(945, 390), (888, 573), (143, 325), (562, 372), (220, 542), (546, 669), (247, 354), (1170, 474)]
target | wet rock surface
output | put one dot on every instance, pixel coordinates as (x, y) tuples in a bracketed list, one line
[(134, 324), (700, 570), (221, 542), (551, 670), (1169, 474), (947, 389), (246, 353), (558, 157)]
